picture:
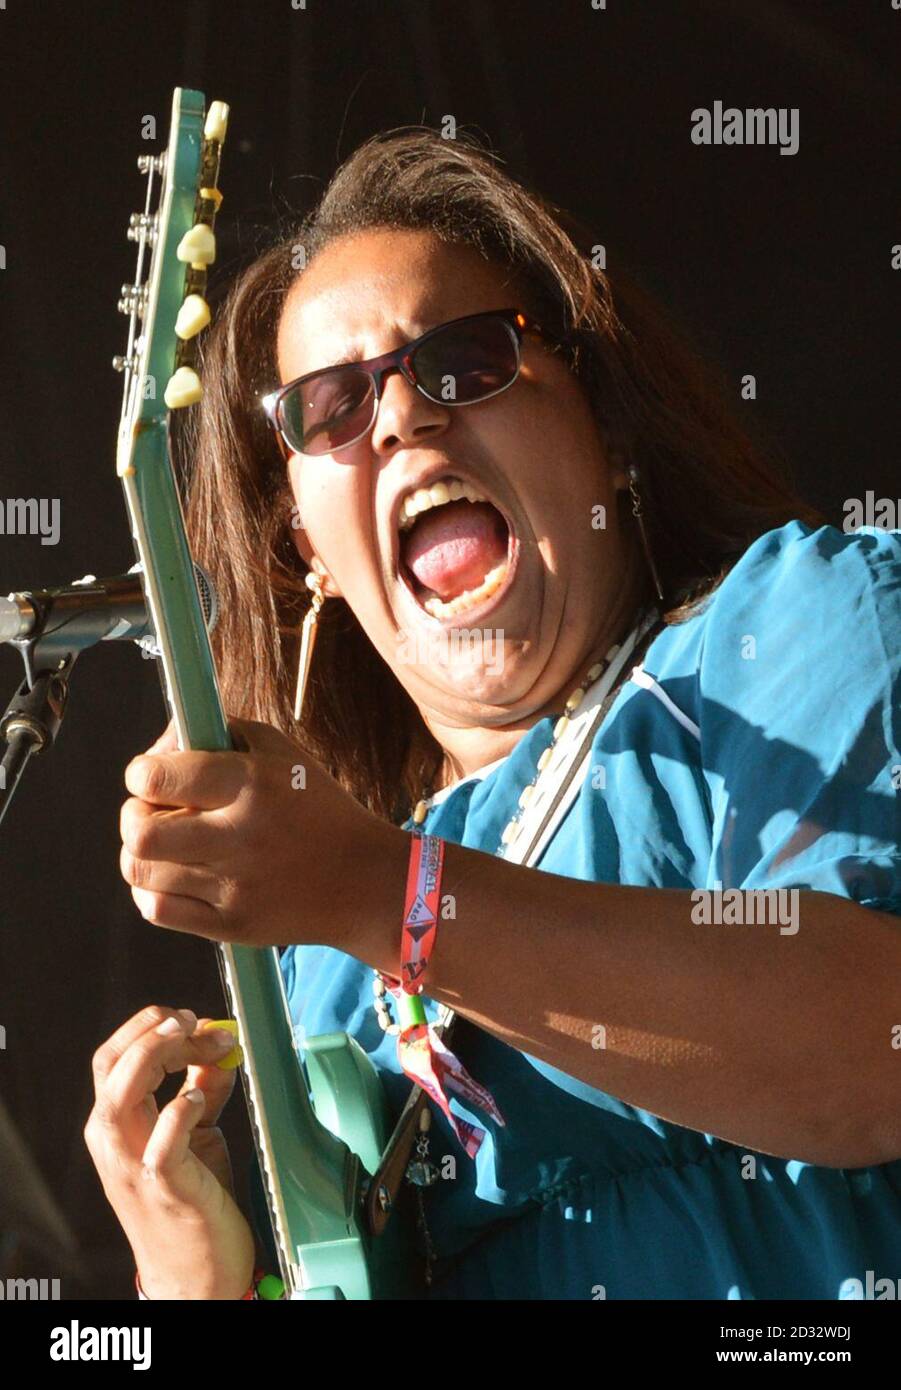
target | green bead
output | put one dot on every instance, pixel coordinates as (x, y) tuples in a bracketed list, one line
[(270, 1287), (410, 1010)]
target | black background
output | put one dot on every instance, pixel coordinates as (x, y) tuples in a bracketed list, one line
[(777, 265)]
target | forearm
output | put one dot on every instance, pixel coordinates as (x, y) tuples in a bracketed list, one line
[(779, 1042)]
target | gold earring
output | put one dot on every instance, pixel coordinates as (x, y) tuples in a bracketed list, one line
[(307, 640), (632, 475)]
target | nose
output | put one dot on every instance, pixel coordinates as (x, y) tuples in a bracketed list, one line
[(405, 414)]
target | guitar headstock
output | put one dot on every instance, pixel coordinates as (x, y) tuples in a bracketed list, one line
[(165, 303)]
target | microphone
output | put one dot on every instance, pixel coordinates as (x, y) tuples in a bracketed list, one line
[(93, 610)]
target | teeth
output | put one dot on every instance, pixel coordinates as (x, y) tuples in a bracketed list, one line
[(424, 498), (469, 597)]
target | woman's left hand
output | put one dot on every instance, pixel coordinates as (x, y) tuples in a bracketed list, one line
[(259, 846)]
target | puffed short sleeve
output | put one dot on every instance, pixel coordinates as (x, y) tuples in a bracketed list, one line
[(800, 717)]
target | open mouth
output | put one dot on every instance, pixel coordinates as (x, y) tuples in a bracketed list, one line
[(457, 551)]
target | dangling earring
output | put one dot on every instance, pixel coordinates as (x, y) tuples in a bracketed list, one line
[(307, 640), (632, 475)]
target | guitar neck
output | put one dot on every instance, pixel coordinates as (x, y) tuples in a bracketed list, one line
[(311, 1177)]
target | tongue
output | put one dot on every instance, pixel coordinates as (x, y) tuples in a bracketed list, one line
[(452, 548)]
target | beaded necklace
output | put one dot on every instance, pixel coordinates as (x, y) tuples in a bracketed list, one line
[(512, 829)]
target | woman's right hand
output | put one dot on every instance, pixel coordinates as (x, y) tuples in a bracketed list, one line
[(166, 1173)]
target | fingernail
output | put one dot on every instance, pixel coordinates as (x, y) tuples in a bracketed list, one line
[(168, 1027), (234, 1057), (194, 1096), (189, 1017), (232, 1060), (143, 901), (221, 1038)]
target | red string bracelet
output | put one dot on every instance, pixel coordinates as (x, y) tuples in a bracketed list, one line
[(258, 1276)]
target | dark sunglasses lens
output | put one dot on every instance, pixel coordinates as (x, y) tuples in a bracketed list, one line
[(328, 411), (467, 362)]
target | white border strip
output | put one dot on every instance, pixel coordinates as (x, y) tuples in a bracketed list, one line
[(641, 677), (567, 749)]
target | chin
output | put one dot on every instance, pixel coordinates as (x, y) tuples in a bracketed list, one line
[(489, 687)]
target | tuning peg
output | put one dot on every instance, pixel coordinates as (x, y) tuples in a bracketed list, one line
[(151, 163), (193, 315), (197, 246), (142, 222), (216, 122), (184, 388), (134, 297), (120, 363)]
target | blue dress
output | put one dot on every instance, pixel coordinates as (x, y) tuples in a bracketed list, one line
[(775, 707)]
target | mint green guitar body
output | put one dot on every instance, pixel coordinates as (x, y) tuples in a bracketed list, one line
[(318, 1146)]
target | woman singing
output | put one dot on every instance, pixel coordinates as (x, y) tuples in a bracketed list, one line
[(512, 495)]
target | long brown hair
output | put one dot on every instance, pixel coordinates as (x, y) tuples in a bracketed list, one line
[(707, 492)]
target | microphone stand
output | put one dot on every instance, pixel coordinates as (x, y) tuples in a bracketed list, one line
[(33, 716), (64, 627)]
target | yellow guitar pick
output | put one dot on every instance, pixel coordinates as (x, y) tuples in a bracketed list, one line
[(236, 1056)]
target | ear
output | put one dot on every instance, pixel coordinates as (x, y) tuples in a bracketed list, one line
[(302, 542), (329, 587), (617, 462), (299, 537), (313, 562)]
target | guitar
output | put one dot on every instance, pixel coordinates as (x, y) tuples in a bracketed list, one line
[(319, 1137)]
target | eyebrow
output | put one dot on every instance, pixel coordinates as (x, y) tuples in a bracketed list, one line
[(344, 361), (354, 355)]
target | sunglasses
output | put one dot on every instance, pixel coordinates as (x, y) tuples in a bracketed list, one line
[(457, 363)]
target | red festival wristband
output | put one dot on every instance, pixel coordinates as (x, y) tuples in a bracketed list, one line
[(423, 1057), (423, 896)]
